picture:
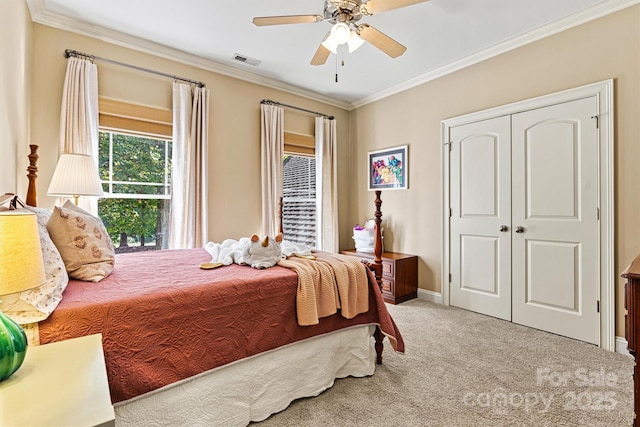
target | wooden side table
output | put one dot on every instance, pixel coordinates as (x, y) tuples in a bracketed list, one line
[(59, 384), (399, 274)]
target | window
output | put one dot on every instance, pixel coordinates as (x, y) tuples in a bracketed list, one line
[(299, 189), (136, 176), (134, 156)]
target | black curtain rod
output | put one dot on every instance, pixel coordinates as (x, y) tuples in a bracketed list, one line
[(75, 53), (270, 102)]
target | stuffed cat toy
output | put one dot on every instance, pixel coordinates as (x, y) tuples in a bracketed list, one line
[(253, 251)]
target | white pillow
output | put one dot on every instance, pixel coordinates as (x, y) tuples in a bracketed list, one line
[(37, 304), (83, 243)]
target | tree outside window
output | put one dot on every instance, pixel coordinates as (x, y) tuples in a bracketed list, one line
[(136, 177)]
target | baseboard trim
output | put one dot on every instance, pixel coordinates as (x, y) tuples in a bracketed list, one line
[(621, 346), (431, 296)]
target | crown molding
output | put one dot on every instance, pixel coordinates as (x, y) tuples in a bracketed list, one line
[(589, 14), (40, 15)]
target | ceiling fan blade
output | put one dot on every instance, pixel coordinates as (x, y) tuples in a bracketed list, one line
[(290, 19), (320, 56), (381, 40), (378, 6)]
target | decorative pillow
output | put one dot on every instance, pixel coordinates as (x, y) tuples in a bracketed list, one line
[(83, 242), (37, 304)]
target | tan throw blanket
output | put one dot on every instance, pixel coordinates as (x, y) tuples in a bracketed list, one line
[(329, 283)]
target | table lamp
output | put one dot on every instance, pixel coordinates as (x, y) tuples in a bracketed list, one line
[(75, 175), (21, 268)]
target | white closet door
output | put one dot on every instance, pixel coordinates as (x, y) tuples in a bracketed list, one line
[(480, 247), (555, 219)]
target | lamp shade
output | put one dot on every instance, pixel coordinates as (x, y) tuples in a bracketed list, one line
[(330, 44), (354, 41), (340, 32), (21, 265), (75, 175), (21, 268)]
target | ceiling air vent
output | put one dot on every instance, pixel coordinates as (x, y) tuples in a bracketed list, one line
[(246, 59)]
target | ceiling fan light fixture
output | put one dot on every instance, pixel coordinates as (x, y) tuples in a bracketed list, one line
[(344, 15), (330, 44), (354, 41), (340, 33)]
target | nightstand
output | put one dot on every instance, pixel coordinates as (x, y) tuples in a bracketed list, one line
[(632, 327), (59, 384), (399, 274)]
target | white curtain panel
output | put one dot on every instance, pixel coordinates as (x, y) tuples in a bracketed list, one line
[(79, 115), (326, 185), (272, 150), (188, 219)]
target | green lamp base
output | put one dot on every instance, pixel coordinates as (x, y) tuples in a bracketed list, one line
[(13, 346)]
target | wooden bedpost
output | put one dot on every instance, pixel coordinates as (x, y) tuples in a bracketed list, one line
[(377, 245), (32, 194), (377, 269)]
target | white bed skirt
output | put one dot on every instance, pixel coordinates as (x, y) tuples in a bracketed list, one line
[(251, 389)]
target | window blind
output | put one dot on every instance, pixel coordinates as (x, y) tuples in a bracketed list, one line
[(135, 118), (299, 144)]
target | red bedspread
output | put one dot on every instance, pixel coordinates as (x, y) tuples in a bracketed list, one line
[(164, 319)]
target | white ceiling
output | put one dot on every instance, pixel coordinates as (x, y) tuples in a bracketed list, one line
[(440, 36)]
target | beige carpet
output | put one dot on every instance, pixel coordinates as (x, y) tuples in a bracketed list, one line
[(466, 369)]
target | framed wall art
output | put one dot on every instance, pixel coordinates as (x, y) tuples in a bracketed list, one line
[(389, 169)]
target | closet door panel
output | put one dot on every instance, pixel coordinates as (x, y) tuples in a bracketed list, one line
[(551, 173), (554, 211), (480, 208)]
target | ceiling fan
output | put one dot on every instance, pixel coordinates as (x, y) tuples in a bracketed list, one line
[(344, 16)]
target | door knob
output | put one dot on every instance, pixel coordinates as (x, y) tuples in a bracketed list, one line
[(519, 229), (504, 228)]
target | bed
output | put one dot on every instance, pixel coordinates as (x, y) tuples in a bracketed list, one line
[(223, 347)]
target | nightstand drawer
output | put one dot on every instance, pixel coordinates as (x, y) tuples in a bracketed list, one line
[(387, 268), (387, 285)]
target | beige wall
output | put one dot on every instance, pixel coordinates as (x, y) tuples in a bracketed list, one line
[(603, 49), (234, 129), (606, 48), (15, 41)]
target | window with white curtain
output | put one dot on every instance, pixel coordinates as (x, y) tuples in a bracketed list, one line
[(134, 160), (299, 189), (299, 199)]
